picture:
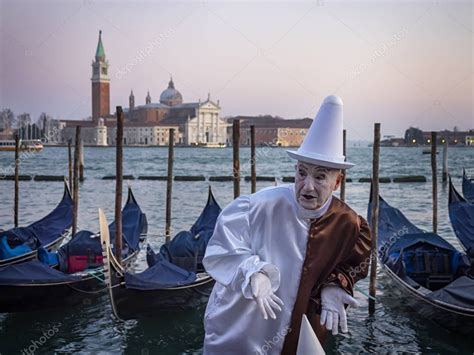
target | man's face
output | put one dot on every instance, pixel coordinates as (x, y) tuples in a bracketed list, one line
[(314, 184)]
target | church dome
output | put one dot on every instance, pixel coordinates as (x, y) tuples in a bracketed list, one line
[(171, 96)]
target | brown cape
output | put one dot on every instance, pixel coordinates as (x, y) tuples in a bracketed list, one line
[(338, 250)]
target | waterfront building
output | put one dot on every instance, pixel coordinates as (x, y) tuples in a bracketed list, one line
[(415, 137), (93, 132), (271, 131), (198, 123)]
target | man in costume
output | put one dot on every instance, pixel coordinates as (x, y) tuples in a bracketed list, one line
[(286, 251)]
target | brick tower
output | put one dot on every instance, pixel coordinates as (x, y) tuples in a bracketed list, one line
[(100, 83)]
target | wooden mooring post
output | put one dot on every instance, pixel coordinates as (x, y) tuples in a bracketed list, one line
[(236, 159), (69, 164), (17, 180), (81, 163), (169, 185), (118, 184), (343, 182), (253, 161), (375, 217), (445, 161), (434, 182), (75, 192)]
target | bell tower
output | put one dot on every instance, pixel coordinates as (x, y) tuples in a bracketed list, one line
[(100, 82), (131, 101)]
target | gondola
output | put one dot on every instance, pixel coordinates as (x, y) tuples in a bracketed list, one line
[(425, 271), (461, 214), (467, 187), (21, 244), (175, 278), (72, 275)]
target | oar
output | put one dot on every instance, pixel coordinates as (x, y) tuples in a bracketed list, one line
[(107, 256), (104, 229), (308, 342), (105, 242)]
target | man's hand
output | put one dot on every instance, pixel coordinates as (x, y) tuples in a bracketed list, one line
[(333, 312), (263, 294)]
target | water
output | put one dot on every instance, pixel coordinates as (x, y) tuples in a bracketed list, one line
[(90, 328)]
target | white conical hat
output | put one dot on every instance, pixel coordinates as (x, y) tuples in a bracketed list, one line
[(322, 145), (308, 343)]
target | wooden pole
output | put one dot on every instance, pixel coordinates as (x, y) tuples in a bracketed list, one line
[(17, 179), (236, 159), (169, 184), (69, 155), (118, 185), (253, 160), (445, 161), (81, 163), (375, 217), (75, 193), (435, 181), (343, 181)]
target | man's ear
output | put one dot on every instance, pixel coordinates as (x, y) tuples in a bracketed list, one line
[(338, 180)]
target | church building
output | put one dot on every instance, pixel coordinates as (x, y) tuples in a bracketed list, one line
[(199, 123)]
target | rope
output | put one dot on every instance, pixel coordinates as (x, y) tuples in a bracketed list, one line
[(95, 274), (364, 293), (98, 277)]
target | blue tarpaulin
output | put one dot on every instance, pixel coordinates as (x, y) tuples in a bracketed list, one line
[(194, 242), (7, 251), (161, 275), (392, 223), (460, 292), (32, 272), (87, 244), (415, 256), (163, 271), (461, 214), (467, 187), (131, 229), (84, 243), (46, 230)]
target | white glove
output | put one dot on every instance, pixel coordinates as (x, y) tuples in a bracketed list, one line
[(264, 296), (333, 312)]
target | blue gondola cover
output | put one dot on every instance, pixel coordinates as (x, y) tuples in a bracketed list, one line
[(131, 230), (460, 292), (163, 271), (46, 230), (161, 275), (424, 259), (461, 214), (84, 250), (467, 187), (32, 272), (194, 242)]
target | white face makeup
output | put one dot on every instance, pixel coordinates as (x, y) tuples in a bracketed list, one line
[(314, 184)]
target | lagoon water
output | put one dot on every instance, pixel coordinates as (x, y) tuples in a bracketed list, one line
[(90, 327)]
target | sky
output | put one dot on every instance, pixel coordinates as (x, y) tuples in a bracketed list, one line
[(399, 63)]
